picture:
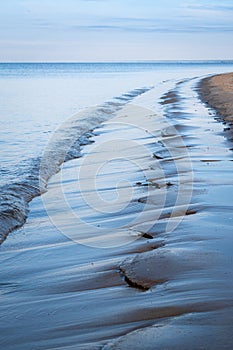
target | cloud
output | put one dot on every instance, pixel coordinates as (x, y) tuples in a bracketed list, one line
[(210, 7), (93, 22), (155, 28)]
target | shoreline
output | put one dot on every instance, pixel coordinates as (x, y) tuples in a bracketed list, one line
[(138, 295), (62, 147)]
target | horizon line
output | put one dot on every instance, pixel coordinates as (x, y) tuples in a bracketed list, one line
[(121, 61)]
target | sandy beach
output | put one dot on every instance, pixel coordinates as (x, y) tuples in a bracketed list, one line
[(131, 246), (217, 91)]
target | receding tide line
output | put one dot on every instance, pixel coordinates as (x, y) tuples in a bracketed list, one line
[(16, 196)]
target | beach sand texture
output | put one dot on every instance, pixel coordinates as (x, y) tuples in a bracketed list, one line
[(217, 91), (154, 278)]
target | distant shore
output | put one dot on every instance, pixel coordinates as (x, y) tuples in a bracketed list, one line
[(217, 91)]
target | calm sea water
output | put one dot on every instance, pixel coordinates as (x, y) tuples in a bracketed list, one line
[(36, 99)]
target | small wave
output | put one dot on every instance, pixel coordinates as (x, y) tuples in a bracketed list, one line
[(65, 144)]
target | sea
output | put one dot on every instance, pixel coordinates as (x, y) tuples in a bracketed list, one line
[(37, 99)]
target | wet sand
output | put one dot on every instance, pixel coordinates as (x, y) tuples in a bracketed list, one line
[(145, 262), (217, 91)]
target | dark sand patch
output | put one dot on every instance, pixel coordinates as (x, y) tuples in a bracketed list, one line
[(217, 92)]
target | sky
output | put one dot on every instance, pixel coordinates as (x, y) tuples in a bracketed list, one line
[(115, 30)]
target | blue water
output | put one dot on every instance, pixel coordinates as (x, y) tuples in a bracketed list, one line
[(36, 98)]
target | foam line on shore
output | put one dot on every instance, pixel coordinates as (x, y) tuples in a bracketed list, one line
[(67, 144)]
